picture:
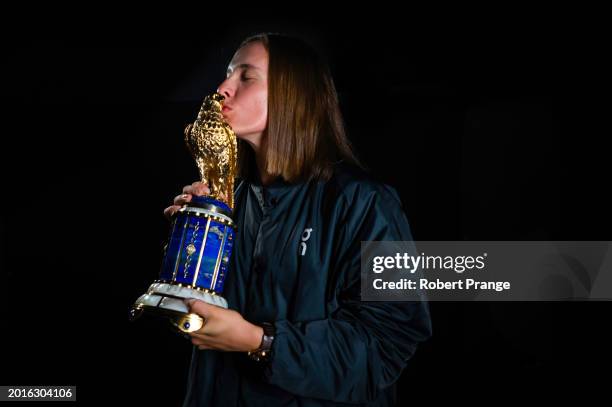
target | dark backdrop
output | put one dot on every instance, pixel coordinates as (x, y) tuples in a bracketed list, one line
[(487, 134)]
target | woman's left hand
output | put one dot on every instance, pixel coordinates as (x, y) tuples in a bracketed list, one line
[(223, 329)]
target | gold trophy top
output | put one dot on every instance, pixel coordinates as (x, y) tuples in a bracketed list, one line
[(213, 145)]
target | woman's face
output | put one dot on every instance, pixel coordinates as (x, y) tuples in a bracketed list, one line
[(246, 93)]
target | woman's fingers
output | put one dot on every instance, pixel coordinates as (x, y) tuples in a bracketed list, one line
[(169, 211), (196, 341), (197, 188), (182, 199), (200, 343)]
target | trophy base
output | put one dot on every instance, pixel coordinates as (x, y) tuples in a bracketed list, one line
[(166, 300)]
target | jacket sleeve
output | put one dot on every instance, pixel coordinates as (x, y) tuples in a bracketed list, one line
[(362, 347)]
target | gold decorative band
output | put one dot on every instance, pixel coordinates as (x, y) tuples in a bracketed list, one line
[(219, 217)]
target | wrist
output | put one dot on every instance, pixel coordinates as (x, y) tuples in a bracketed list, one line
[(264, 349), (255, 338)]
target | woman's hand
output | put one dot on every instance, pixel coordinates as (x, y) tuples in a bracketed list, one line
[(223, 329), (197, 188)]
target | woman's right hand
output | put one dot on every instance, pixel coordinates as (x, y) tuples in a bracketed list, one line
[(197, 188)]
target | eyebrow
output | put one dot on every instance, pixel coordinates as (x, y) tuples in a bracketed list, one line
[(242, 66)]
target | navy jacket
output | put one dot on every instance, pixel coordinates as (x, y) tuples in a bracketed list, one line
[(296, 263)]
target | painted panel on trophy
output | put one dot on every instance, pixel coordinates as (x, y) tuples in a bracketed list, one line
[(170, 263), (191, 249), (211, 253)]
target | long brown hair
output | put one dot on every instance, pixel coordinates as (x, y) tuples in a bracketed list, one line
[(305, 134)]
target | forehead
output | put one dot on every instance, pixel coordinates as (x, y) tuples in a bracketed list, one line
[(253, 55)]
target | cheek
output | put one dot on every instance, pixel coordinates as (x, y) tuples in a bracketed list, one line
[(252, 116), (260, 109), (262, 112)]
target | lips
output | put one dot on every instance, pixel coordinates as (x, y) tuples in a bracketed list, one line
[(226, 109)]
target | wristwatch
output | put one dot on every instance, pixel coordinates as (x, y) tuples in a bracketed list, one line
[(262, 353)]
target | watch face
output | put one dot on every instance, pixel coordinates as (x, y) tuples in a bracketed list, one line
[(267, 342)]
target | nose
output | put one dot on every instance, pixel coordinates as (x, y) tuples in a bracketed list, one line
[(226, 89)]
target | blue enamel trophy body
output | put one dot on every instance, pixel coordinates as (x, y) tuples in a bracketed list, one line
[(200, 245)]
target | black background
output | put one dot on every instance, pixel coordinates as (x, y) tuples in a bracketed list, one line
[(488, 132)]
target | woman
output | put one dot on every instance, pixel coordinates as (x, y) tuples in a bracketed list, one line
[(296, 332)]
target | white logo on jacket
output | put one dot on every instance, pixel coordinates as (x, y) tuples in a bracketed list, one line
[(305, 236)]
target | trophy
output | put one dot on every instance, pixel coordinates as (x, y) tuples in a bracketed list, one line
[(197, 254)]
